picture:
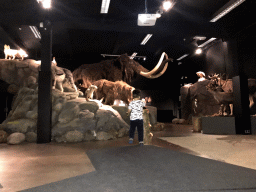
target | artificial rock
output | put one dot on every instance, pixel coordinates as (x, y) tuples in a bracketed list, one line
[(3, 136), (73, 118), (16, 138)]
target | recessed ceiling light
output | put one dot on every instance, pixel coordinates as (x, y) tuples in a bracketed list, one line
[(198, 51), (104, 6), (182, 57), (145, 40), (207, 42)]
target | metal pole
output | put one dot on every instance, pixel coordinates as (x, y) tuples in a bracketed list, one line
[(44, 121)]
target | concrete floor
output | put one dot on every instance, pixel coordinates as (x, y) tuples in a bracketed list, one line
[(30, 165)]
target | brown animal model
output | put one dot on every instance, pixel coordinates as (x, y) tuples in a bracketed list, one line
[(112, 91), (121, 69), (223, 98)]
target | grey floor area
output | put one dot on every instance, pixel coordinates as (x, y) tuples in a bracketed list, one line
[(154, 169)]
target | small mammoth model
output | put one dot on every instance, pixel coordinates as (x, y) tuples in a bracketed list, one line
[(13, 53), (112, 91)]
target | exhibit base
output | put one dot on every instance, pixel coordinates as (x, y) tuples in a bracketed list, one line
[(219, 125)]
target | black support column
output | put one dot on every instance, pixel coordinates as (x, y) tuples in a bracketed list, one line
[(241, 104), (44, 122), (241, 108)]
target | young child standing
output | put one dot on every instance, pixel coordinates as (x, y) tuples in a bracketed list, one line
[(135, 111)]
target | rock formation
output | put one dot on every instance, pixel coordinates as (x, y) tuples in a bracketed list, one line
[(73, 118)]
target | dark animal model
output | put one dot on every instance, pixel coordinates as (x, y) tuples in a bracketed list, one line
[(122, 68)]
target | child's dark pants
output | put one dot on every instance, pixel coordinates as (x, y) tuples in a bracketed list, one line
[(139, 124)]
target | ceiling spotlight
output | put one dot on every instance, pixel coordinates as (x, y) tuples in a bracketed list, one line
[(167, 5), (46, 3), (199, 51)]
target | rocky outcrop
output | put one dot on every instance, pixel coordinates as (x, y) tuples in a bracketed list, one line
[(3, 136), (16, 138), (73, 119)]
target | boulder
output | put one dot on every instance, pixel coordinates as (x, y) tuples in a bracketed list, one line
[(90, 105), (108, 119), (3, 136), (20, 125), (76, 124), (178, 121), (158, 127), (103, 136), (74, 136), (122, 132), (31, 137), (122, 110), (69, 112), (89, 135), (16, 138)]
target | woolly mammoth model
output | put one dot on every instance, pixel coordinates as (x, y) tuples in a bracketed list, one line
[(112, 91), (121, 69)]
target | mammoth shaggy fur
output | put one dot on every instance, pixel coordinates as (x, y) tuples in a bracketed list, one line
[(120, 69), (111, 91)]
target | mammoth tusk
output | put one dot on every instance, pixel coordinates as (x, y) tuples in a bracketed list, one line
[(148, 74), (159, 74)]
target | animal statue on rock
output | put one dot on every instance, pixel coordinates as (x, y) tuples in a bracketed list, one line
[(122, 68), (61, 76), (89, 92), (112, 91), (13, 53)]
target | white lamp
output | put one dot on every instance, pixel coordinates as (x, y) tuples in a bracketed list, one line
[(46, 3), (199, 51)]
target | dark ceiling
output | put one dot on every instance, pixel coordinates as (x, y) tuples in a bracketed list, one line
[(81, 33)]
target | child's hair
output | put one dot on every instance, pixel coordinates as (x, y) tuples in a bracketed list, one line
[(136, 93)]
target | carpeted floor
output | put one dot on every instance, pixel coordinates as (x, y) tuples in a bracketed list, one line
[(234, 149), (154, 169)]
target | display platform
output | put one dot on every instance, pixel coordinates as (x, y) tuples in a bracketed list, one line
[(219, 125)]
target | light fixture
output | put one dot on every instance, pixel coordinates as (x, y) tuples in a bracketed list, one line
[(145, 40), (46, 3), (199, 51), (109, 55), (167, 5), (133, 55), (104, 6), (182, 57), (232, 4), (35, 32), (159, 13), (207, 42)]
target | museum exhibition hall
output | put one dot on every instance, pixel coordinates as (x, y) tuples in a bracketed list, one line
[(75, 74)]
